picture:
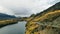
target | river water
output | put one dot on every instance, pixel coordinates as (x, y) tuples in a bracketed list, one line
[(18, 28)]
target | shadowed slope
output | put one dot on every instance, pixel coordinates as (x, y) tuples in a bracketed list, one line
[(6, 20)]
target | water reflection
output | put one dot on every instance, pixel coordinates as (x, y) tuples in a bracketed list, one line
[(18, 28)]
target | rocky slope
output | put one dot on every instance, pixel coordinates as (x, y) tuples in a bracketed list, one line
[(46, 22)]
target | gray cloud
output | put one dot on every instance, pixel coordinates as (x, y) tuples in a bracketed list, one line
[(55, 1), (31, 6)]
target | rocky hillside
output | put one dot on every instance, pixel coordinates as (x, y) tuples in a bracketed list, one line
[(46, 22)]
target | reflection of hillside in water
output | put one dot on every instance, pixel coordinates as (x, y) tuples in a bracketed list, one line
[(18, 28)]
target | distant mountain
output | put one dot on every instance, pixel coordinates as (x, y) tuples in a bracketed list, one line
[(6, 16)]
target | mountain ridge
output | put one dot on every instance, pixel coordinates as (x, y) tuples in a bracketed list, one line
[(48, 16), (6, 16)]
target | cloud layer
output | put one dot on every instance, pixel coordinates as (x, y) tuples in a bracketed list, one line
[(26, 7)]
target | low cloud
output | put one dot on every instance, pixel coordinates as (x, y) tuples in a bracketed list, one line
[(26, 7)]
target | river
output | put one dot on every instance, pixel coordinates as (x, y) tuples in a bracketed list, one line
[(18, 28)]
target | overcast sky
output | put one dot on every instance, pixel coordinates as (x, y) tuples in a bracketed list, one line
[(22, 8), (25, 7)]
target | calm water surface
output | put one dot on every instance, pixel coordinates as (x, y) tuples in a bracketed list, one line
[(18, 28)]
